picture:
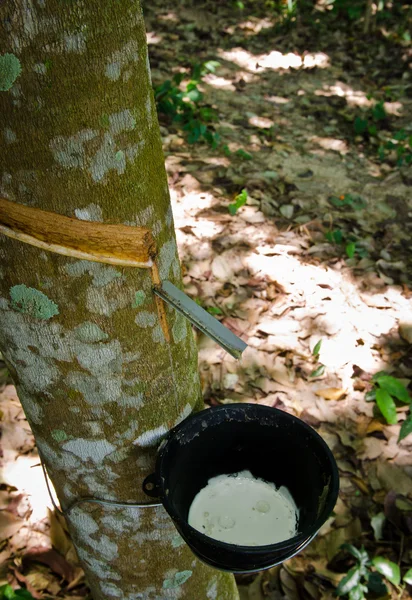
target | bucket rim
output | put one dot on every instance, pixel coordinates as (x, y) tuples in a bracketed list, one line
[(298, 539)]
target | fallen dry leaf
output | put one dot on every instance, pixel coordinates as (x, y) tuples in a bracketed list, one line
[(9, 524), (361, 485), (372, 448), (23, 579), (59, 535), (331, 393), (393, 477), (50, 557), (375, 425)]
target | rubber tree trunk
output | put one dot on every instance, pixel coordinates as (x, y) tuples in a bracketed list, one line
[(97, 380)]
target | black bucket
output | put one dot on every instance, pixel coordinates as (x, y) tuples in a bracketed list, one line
[(272, 445)]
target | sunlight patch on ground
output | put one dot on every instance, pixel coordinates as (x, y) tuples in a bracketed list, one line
[(153, 38), (203, 229), (331, 144), (357, 97), (20, 466), (251, 26), (25, 474), (277, 99), (315, 303), (340, 314), (274, 60), (191, 203), (170, 16), (261, 122), (219, 82)]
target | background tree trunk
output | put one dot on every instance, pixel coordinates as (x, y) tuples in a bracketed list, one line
[(367, 17), (97, 380)]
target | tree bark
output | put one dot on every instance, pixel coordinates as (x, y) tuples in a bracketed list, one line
[(98, 382), (367, 17)]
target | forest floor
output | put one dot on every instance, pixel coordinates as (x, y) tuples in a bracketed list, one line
[(314, 271)]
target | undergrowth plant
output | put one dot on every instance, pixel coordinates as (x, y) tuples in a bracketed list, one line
[(186, 106), (320, 368), (349, 241), (373, 123), (401, 143), (352, 9), (386, 392), (352, 245), (8, 593), (240, 200), (368, 576)]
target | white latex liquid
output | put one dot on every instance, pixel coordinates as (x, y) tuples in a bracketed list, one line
[(241, 509)]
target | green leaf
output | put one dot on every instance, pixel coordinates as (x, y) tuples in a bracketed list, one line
[(350, 581), (357, 593), (194, 95), (370, 396), (212, 138), (406, 428), (362, 252), (197, 73), (2, 589), (23, 594), (318, 372), (240, 200), (387, 406), (378, 111), (194, 135), (242, 197), (317, 347), (377, 375), (243, 154), (178, 78), (376, 585), (394, 387), (7, 592), (336, 201), (388, 569), (350, 249), (360, 125), (354, 12), (377, 522), (360, 555), (335, 236), (407, 578), (207, 113), (211, 65), (356, 201), (214, 310), (400, 135)]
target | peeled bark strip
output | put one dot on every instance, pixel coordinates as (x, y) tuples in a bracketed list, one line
[(97, 380), (124, 245)]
